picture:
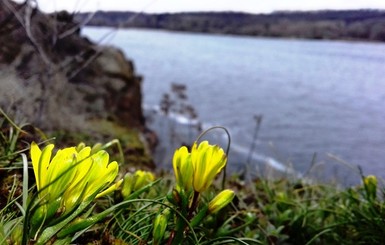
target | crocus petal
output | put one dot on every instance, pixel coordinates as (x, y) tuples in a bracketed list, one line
[(101, 172), (35, 157), (217, 162), (106, 178), (187, 173), (40, 163), (61, 171), (110, 189), (176, 164), (79, 182), (179, 155), (199, 164), (84, 163), (183, 168)]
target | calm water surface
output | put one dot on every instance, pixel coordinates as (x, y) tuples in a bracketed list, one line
[(324, 97)]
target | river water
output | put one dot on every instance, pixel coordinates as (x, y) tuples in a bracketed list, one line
[(322, 103)]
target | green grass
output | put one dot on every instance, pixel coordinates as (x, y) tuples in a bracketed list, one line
[(265, 211)]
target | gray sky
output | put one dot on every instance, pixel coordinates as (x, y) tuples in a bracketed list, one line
[(253, 6)]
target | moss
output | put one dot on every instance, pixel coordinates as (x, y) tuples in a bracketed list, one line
[(135, 151)]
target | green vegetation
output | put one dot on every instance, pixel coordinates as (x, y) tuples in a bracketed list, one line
[(188, 208), (327, 24)]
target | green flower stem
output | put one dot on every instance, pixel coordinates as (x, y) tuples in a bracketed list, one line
[(199, 216), (176, 235)]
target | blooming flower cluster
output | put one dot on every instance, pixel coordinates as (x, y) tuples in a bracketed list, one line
[(72, 175), (194, 173), (70, 179), (196, 170)]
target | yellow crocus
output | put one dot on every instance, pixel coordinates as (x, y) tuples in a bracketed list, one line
[(142, 178), (73, 174), (370, 184), (207, 161), (135, 181)]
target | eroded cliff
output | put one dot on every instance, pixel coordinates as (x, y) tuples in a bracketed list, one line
[(62, 83)]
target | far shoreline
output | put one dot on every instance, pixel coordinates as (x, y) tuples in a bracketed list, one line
[(347, 25), (353, 41)]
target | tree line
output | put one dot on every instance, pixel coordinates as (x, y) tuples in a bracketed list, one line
[(326, 24)]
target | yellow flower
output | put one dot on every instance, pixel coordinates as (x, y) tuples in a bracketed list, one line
[(183, 168), (142, 178), (52, 179), (73, 174), (370, 180), (370, 184), (221, 200), (134, 182), (207, 160)]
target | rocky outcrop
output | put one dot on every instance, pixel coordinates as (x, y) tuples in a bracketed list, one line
[(57, 80)]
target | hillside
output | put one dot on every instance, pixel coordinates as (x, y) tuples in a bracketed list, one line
[(62, 83), (326, 24)]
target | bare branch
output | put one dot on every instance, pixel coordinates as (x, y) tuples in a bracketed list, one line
[(26, 23), (75, 28)]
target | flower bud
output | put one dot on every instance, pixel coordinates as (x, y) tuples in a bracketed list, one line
[(221, 200), (128, 185), (370, 183), (80, 146), (160, 225), (136, 181), (97, 147), (142, 178), (15, 237)]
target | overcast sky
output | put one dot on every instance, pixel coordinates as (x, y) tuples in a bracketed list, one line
[(253, 6)]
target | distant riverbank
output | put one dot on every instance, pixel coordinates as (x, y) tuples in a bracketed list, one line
[(368, 25)]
